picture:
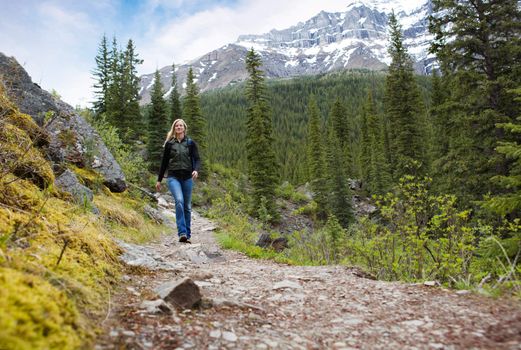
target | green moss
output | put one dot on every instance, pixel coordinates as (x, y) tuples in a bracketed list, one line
[(35, 314), (19, 193), (21, 158), (124, 218), (67, 138), (88, 177), (48, 302), (24, 122)]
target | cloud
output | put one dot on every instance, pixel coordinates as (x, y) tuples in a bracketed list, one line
[(57, 40), (192, 36)]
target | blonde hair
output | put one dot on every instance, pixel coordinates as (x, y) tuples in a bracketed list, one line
[(171, 133)]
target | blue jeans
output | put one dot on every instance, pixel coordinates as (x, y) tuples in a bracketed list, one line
[(182, 192)]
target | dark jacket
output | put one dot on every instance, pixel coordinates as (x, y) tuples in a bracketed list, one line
[(180, 159)]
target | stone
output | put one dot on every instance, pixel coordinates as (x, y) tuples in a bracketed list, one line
[(431, 283), (215, 333), (72, 139), (286, 284), (158, 306), (229, 336), (153, 214), (279, 244), (264, 240), (183, 294), (68, 182)]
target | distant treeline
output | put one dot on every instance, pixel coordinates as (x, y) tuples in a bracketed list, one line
[(225, 111)]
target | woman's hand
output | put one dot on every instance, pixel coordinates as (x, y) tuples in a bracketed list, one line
[(158, 186), (194, 174)]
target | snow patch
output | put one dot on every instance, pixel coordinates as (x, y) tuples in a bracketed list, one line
[(213, 77), (292, 63), (311, 60), (166, 94)]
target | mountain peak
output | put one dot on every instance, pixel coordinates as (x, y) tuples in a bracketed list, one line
[(328, 41)]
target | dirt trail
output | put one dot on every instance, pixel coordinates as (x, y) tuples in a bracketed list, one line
[(274, 306)]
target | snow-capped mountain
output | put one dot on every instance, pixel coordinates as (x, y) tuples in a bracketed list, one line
[(354, 38)]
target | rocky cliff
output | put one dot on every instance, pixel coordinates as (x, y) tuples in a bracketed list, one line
[(71, 138)]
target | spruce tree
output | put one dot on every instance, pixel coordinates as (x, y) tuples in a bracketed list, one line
[(376, 177), (316, 159), (102, 76), (508, 202), (262, 169), (441, 125), (157, 124), (174, 98), (477, 44), (132, 119), (340, 197), (339, 119), (114, 101), (404, 108), (195, 120)]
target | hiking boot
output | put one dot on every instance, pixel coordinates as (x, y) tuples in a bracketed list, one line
[(188, 241), (183, 239)]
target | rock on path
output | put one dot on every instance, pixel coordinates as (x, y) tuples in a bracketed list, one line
[(258, 304)]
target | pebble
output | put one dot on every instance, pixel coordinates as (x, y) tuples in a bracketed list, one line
[(215, 333), (229, 336)]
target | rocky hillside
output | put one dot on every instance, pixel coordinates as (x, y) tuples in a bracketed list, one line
[(353, 39), (58, 259), (71, 140)]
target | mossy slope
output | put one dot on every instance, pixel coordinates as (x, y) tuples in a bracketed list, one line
[(57, 260)]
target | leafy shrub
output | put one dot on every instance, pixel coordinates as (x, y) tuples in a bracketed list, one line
[(420, 236), (132, 164), (288, 192)]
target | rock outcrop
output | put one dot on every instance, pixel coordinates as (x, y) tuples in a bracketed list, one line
[(72, 139)]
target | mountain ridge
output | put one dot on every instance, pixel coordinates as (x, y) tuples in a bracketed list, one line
[(327, 42)]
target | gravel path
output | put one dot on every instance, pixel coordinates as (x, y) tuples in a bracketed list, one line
[(258, 304)]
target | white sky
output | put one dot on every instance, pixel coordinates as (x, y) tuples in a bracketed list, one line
[(56, 40)]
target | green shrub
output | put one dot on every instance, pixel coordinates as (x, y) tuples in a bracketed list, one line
[(420, 236)]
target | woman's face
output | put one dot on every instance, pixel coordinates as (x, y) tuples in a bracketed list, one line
[(179, 128)]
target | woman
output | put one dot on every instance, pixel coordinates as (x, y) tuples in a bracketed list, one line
[(181, 159)]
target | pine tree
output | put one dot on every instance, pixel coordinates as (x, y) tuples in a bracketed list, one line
[(376, 176), (338, 116), (175, 99), (102, 76), (114, 101), (403, 108), (132, 119), (195, 120), (477, 44), (262, 168), (340, 197), (157, 124), (121, 98), (316, 159), (441, 126), (508, 203)]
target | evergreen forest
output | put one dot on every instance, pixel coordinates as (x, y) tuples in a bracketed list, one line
[(394, 175), (436, 156)]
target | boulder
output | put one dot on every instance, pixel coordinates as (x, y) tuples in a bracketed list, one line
[(183, 294), (69, 183), (72, 139)]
